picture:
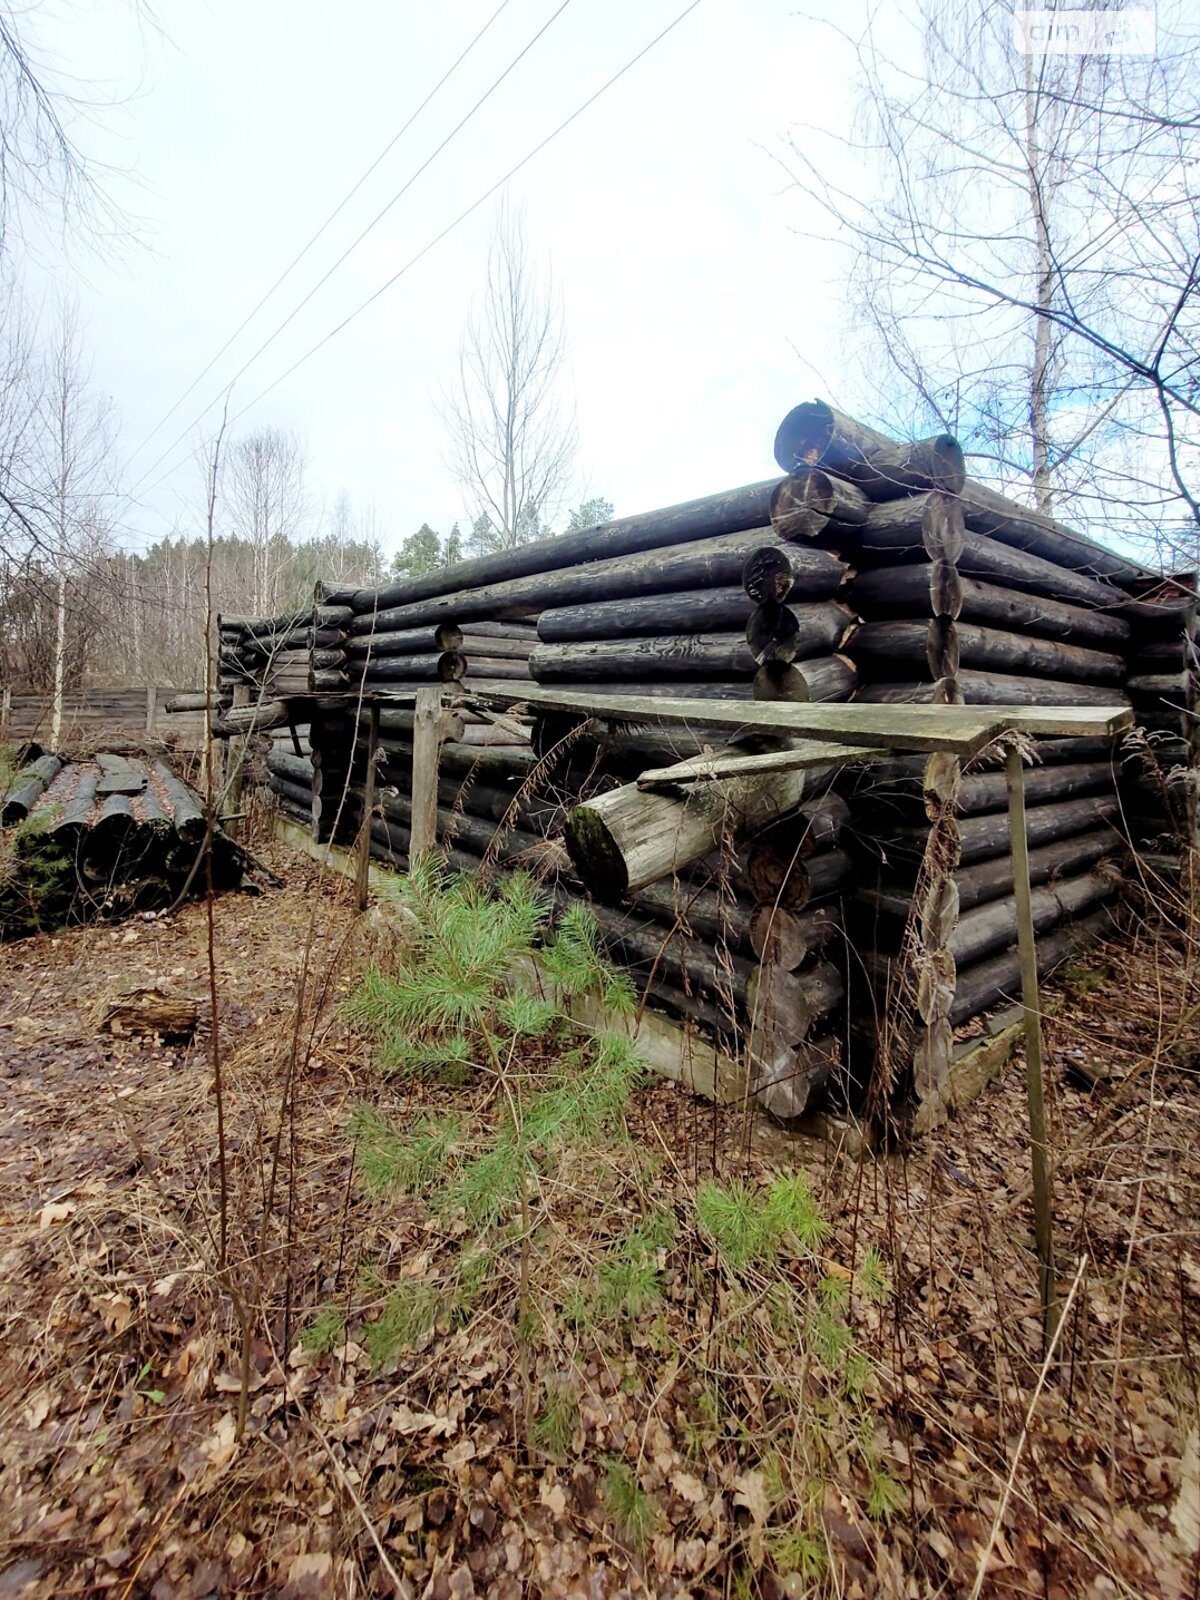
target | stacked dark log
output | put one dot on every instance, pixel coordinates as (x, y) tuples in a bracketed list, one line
[(652, 598), (290, 779), (963, 598), (969, 918), (269, 656), (1158, 789), (299, 652)]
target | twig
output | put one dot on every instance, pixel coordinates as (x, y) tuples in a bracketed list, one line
[(981, 1573)]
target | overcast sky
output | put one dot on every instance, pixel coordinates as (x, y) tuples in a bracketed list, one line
[(690, 298)]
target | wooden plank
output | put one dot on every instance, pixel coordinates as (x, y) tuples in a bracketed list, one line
[(119, 775), (707, 769), (960, 730)]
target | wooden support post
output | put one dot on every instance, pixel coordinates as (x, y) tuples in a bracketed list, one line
[(1034, 1080), (426, 716), (5, 716), (363, 865), (151, 709), (237, 765)]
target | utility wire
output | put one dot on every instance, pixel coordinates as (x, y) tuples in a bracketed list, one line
[(332, 217), (374, 223), (462, 217)]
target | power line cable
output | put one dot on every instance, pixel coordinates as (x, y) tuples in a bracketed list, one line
[(462, 216), (332, 217), (374, 223)]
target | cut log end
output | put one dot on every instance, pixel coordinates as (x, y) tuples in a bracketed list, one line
[(596, 856)]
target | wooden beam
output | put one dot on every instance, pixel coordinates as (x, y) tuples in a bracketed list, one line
[(707, 769), (425, 771), (1034, 1077)]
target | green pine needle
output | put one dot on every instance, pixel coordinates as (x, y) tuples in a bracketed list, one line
[(398, 1163), (630, 1507), (409, 1315), (324, 1331)]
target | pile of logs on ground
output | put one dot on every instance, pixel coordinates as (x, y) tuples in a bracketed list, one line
[(871, 570), (103, 838)]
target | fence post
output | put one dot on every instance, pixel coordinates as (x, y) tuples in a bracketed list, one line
[(5, 716), (363, 874), (151, 709), (427, 717), (238, 749)]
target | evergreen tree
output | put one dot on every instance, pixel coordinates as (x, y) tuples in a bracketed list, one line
[(421, 552), (589, 513)]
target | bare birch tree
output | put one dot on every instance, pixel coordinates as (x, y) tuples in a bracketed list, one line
[(1025, 248), (76, 441), (514, 438), (263, 478)]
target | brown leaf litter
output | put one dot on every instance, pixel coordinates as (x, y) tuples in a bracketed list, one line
[(121, 1370)]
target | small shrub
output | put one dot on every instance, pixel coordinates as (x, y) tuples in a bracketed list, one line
[(325, 1331), (555, 1429), (409, 1314), (630, 1507)]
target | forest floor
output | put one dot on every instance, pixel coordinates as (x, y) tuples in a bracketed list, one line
[(692, 1443)]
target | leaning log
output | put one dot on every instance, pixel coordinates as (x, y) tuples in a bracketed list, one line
[(626, 838), (187, 702), (252, 719), (814, 435)]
